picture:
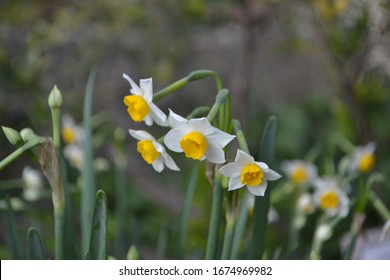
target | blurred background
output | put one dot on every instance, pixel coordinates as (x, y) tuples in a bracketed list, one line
[(322, 67)]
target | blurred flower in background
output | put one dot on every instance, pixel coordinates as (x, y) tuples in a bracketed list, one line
[(32, 184)]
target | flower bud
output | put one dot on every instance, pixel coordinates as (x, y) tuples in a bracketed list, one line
[(55, 98), (12, 135), (27, 134)]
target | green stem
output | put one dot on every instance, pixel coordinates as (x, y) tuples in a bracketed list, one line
[(59, 221), (18, 152), (219, 100), (227, 241), (240, 136), (55, 114), (379, 206), (215, 220), (193, 76)]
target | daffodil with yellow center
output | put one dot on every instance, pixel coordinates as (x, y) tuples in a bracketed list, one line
[(71, 133), (299, 171), (153, 152), (139, 104), (329, 200), (197, 139), (329, 197), (363, 158), (245, 171)]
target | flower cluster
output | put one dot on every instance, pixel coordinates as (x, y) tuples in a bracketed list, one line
[(330, 194), (196, 138)]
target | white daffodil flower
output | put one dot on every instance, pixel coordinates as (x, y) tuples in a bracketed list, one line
[(363, 158), (153, 152), (299, 171), (139, 104), (71, 132), (323, 232), (197, 138), (32, 183), (305, 204), (330, 197), (246, 171), (75, 154)]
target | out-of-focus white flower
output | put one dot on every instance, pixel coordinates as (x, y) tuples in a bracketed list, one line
[(32, 183), (16, 203), (330, 197), (70, 131), (101, 164), (139, 104), (305, 204), (153, 152), (363, 158), (197, 138), (246, 171), (75, 155), (323, 232), (299, 171)]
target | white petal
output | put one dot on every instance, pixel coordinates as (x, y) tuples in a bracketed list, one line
[(243, 158), (231, 169), (258, 190), (148, 120), (172, 139), (135, 88), (271, 175), (220, 137), (176, 120), (141, 135), (262, 165), (157, 115), (214, 153), (158, 164), (169, 162), (146, 86), (202, 125), (235, 183)]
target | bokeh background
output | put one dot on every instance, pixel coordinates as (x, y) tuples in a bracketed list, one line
[(321, 67)]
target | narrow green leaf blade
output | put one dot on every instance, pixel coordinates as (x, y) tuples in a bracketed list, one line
[(34, 245), (98, 240), (88, 177), (262, 203), (12, 232)]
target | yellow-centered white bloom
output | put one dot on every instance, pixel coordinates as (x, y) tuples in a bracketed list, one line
[(363, 158), (246, 171), (32, 183), (71, 132), (139, 104), (153, 152), (330, 197), (299, 171), (197, 138)]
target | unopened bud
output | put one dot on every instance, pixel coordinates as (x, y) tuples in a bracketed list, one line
[(12, 135), (55, 98)]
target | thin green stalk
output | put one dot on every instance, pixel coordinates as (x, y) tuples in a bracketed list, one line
[(88, 189), (55, 114), (240, 136), (59, 222), (185, 212), (215, 220), (12, 231), (19, 151), (193, 76), (379, 206), (219, 100), (227, 241), (162, 243)]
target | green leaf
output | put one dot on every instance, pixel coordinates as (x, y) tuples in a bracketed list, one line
[(88, 177), (12, 232), (98, 240), (262, 203), (34, 245)]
